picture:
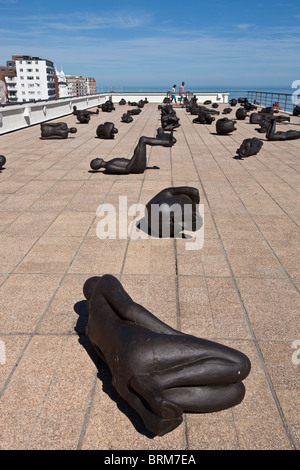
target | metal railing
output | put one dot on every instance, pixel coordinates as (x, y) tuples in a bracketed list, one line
[(280, 101)]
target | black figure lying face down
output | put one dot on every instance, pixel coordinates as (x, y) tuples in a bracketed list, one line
[(225, 126), (273, 135), (56, 130), (138, 162), (159, 371), (250, 147), (173, 210)]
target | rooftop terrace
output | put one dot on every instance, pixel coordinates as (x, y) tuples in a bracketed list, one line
[(241, 289)]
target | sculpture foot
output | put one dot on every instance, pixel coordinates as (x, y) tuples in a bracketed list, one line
[(155, 424)]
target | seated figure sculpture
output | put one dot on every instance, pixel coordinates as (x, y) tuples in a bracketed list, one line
[(138, 162), (2, 161), (225, 126), (173, 210), (250, 147), (56, 130), (273, 135), (106, 130), (159, 371)]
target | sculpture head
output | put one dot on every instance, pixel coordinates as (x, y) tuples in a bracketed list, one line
[(2, 161), (72, 130)]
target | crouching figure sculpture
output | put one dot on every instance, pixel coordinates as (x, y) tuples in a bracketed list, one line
[(106, 130), (138, 162), (225, 126), (173, 210), (250, 147), (159, 371)]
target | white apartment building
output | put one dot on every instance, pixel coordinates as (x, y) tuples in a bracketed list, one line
[(62, 87), (34, 80)]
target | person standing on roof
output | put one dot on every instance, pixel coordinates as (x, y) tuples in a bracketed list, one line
[(182, 93), (173, 94)]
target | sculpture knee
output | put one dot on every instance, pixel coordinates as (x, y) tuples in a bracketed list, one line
[(89, 286)]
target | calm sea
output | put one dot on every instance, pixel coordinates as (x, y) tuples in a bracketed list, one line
[(286, 103), (163, 89)]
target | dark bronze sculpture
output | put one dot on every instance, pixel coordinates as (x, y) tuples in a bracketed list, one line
[(204, 118), (108, 106), (296, 111), (106, 130), (225, 126), (233, 102), (215, 105), (159, 371), (122, 102), (83, 115), (256, 118), (138, 162), (169, 119), (134, 111), (173, 210), (126, 118), (2, 161), (227, 110), (241, 114), (273, 135), (250, 147), (56, 130)]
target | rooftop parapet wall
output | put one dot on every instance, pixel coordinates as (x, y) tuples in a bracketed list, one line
[(18, 116)]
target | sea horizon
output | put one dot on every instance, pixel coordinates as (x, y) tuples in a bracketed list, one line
[(205, 89)]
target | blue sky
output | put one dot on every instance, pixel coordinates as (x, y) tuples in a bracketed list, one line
[(158, 43)]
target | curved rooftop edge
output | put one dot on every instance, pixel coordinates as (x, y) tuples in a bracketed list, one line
[(21, 115)]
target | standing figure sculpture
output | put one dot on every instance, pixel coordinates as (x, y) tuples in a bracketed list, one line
[(138, 162), (159, 371)]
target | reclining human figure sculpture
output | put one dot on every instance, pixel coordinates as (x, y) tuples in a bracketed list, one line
[(225, 126), (106, 130), (250, 147), (56, 130), (159, 371), (203, 118), (273, 135), (138, 162), (172, 211)]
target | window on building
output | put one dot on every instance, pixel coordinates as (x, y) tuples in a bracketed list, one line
[(30, 77), (29, 70)]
